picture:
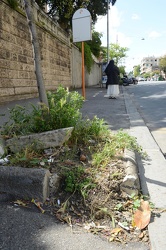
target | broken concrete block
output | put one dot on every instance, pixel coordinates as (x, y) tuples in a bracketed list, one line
[(2, 147), (54, 183), (25, 183), (131, 183), (49, 139)]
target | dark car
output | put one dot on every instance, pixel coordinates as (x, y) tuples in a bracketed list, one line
[(129, 80)]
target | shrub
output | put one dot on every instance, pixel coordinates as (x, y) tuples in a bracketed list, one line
[(63, 111)]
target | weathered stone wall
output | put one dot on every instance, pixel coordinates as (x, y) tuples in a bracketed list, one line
[(61, 62), (95, 75), (92, 78), (17, 77)]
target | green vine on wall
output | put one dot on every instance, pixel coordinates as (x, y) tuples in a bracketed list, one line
[(13, 4), (87, 56)]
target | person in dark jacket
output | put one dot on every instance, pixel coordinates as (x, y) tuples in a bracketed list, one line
[(113, 76)]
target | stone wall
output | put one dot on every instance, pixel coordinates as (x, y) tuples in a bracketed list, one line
[(92, 78), (61, 62)]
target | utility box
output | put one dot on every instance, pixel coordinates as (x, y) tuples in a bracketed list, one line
[(82, 25)]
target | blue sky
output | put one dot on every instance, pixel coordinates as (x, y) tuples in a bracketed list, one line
[(132, 21)]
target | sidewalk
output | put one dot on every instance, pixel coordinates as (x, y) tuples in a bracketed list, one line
[(23, 229), (152, 174)]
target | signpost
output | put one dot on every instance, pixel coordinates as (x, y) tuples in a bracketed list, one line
[(81, 27)]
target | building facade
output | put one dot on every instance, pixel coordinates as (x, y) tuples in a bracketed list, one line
[(149, 64)]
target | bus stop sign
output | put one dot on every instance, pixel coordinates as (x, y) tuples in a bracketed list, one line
[(81, 25)]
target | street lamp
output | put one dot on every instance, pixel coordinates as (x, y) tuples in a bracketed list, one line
[(108, 2)]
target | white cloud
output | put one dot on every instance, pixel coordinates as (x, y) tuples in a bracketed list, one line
[(114, 23), (115, 17), (154, 34), (123, 40), (135, 17), (115, 20)]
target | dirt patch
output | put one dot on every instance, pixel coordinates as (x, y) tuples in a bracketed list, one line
[(100, 208), (89, 197)]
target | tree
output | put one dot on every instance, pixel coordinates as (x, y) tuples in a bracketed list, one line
[(136, 70), (122, 70), (162, 63), (37, 57), (66, 8), (117, 53), (35, 43), (95, 43), (147, 75), (113, 2)]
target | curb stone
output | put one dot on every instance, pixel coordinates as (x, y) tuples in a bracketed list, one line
[(25, 183), (30, 183), (2, 146), (44, 140), (131, 182)]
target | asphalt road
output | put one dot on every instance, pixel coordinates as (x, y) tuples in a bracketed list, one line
[(150, 100)]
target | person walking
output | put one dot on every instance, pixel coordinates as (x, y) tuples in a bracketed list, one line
[(113, 76)]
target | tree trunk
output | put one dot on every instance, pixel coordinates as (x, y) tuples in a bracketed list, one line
[(36, 51)]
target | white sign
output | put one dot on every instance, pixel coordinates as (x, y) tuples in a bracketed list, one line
[(81, 25)]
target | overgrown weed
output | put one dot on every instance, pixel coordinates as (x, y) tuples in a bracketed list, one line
[(93, 136)]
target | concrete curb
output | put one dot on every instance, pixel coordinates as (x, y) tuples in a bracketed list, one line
[(131, 182), (38, 183), (25, 183), (44, 140)]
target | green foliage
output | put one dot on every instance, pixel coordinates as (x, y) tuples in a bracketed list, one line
[(113, 144), (63, 112), (124, 140), (162, 63), (161, 78), (28, 157), (95, 43), (77, 179), (87, 129), (117, 53), (136, 201), (137, 70), (103, 53), (146, 75), (87, 55), (122, 70), (66, 8), (13, 4), (119, 207)]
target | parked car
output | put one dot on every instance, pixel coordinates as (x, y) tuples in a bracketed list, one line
[(129, 80), (141, 79)]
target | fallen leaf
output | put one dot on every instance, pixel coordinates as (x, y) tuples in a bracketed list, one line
[(20, 203), (63, 207), (38, 204), (142, 215), (111, 239), (82, 157), (116, 230), (141, 235), (67, 219)]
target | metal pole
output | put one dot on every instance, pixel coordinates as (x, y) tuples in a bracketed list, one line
[(83, 72), (107, 31)]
